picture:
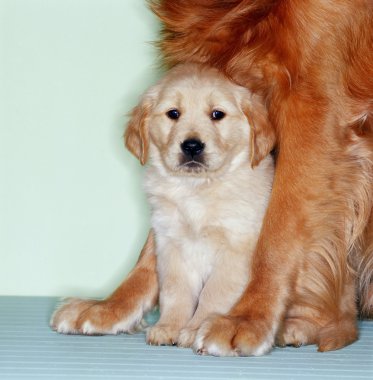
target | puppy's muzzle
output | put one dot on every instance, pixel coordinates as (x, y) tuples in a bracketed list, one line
[(192, 148)]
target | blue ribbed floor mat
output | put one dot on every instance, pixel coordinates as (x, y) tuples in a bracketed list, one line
[(30, 350)]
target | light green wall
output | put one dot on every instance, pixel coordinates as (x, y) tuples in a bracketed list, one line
[(73, 215)]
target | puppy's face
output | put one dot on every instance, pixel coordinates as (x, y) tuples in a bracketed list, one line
[(194, 122), (197, 125)]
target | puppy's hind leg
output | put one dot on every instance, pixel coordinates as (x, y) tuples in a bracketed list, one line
[(120, 312)]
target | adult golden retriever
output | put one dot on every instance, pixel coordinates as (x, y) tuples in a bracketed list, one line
[(311, 61)]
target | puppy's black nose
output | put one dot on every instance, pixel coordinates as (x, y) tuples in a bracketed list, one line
[(192, 147)]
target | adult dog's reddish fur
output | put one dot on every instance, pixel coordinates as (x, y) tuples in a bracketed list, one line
[(312, 63)]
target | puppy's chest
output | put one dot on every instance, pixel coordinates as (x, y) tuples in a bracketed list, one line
[(207, 217)]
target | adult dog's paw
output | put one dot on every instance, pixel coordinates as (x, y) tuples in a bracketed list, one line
[(233, 336), (91, 317), (337, 334), (295, 332)]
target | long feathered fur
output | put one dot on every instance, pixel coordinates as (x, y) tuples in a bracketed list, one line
[(312, 62)]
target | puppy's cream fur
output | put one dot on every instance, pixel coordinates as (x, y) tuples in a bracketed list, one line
[(206, 218)]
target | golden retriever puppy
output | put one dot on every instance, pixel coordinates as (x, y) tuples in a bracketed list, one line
[(207, 202)]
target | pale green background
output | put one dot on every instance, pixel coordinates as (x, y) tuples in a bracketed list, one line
[(73, 215)]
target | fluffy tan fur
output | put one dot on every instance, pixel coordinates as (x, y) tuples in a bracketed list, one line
[(206, 218), (311, 62)]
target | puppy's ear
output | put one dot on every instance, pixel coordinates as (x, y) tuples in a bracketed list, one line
[(262, 134), (136, 136)]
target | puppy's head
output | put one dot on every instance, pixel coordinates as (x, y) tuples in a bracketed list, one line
[(195, 122)]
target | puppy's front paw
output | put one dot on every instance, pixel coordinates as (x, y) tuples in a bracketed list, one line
[(186, 337), (160, 335), (91, 317)]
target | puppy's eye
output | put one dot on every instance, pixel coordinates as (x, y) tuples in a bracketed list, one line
[(173, 114), (217, 115)]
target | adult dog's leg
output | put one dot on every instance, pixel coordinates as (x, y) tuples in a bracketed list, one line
[(309, 319), (308, 322), (313, 323), (120, 312), (365, 272), (318, 206)]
